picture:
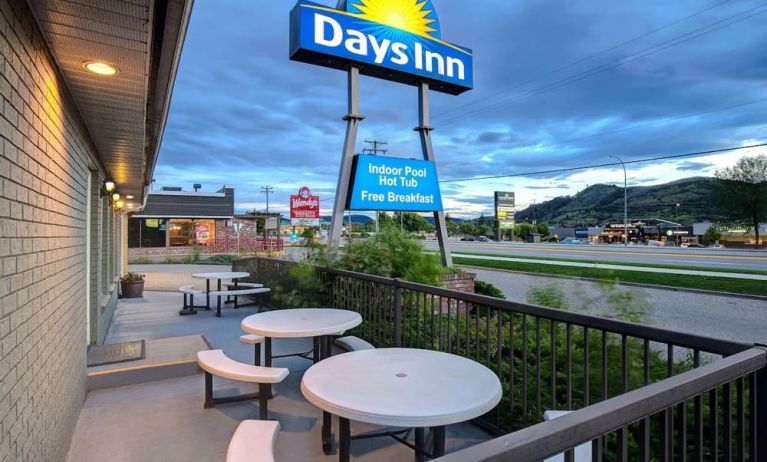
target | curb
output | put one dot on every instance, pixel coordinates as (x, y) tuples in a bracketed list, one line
[(629, 284)]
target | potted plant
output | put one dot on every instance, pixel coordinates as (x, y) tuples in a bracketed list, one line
[(132, 285)]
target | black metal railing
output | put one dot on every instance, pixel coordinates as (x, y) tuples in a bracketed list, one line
[(633, 412), (546, 359)]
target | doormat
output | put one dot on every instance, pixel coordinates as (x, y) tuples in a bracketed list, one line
[(115, 353)]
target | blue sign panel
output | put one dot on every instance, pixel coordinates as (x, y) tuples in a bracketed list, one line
[(393, 40), (394, 184)]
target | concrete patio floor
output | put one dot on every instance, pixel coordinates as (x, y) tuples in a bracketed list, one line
[(165, 420)]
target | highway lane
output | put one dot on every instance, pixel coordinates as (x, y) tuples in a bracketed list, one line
[(722, 259)]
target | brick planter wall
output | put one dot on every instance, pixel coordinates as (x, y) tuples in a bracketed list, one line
[(461, 282)]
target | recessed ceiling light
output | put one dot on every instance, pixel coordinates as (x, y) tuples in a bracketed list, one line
[(101, 68), (129, 196)]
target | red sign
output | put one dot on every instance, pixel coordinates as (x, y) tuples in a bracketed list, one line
[(304, 206)]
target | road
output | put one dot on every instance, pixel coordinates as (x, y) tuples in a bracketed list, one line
[(722, 259)]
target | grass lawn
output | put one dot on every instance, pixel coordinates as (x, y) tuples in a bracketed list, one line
[(606, 262), (717, 284)]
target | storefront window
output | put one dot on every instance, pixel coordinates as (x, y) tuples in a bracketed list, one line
[(146, 232), (186, 233)]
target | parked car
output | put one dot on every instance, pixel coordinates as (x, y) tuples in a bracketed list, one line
[(694, 246), (468, 238), (483, 239)]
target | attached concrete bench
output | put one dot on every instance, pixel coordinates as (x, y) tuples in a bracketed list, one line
[(190, 292), (256, 341), (235, 294), (215, 362), (243, 285), (351, 343), (240, 285), (253, 441)]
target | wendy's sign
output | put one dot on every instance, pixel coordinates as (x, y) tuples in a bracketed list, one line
[(305, 208), (397, 40)]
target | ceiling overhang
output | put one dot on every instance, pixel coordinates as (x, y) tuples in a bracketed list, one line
[(125, 114)]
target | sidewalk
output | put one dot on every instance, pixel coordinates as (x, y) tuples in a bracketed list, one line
[(642, 269)]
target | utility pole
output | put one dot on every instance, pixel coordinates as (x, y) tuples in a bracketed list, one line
[(266, 190), (625, 202), (374, 150)]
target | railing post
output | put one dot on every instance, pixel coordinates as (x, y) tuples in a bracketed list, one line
[(397, 314), (761, 415)]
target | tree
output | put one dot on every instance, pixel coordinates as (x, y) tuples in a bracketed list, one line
[(412, 222), (483, 230), (544, 229), (524, 230), (384, 220), (452, 228), (468, 229), (741, 191), (712, 235)]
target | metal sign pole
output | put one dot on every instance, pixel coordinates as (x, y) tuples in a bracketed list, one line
[(424, 129), (353, 119)]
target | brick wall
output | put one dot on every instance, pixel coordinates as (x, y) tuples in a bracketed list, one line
[(46, 158), (462, 282)]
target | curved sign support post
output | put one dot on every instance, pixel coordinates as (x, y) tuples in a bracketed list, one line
[(424, 129), (353, 119)]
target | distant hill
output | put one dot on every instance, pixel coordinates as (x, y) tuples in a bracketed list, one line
[(356, 219), (600, 204)]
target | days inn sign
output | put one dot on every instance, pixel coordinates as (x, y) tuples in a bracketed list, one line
[(397, 40)]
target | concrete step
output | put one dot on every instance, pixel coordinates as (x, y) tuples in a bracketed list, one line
[(164, 358)]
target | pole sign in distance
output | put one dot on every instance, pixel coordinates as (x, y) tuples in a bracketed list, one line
[(397, 40), (394, 184), (305, 209), (504, 209)]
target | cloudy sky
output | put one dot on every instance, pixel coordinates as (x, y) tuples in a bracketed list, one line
[(558, 84)]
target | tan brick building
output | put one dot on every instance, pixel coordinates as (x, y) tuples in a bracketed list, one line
[(84, 91)]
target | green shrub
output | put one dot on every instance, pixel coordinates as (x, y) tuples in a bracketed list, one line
[(195, 254), (218, 260), (485, 288), (141, 260), (391, 254)]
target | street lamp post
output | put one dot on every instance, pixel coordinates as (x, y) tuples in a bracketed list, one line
[(625, 202)]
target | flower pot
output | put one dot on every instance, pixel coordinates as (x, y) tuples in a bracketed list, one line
[(132, 289)]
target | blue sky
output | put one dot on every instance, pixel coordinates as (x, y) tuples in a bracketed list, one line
[(557, 84)]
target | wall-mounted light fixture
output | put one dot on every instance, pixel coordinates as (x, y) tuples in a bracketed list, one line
[(115, 197), (119, 205), (107, 188)]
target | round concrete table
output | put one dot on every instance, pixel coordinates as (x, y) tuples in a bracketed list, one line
[(318, 323), (403, 388), (234, 276)]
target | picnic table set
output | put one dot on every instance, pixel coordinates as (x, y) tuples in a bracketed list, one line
[(411, 389)]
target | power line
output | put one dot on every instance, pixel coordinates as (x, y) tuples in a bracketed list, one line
[(374, 150), (661, 121), (662, 46), (587, 58), (611, 164)]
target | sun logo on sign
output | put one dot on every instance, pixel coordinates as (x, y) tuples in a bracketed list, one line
[(415, 16)]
